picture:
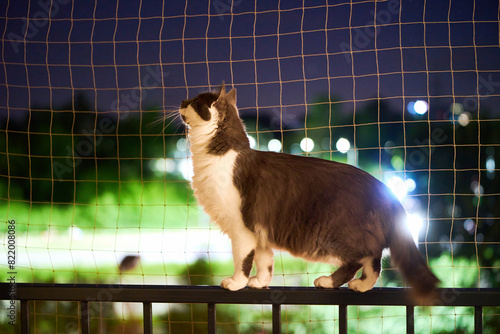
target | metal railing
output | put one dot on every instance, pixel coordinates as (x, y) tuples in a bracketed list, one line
[(211, 295)]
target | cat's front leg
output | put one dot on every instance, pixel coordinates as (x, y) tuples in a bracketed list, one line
[(265, 266), (243, 244)]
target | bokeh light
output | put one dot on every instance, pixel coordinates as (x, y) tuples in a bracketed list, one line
[(182, 144), (274, 145), (414, 223), (162, 165), (464, 119), (307, 144), (410, 185), (252, 141), (490, 164), (398, 187), (343, 145), (185, 167), (420, 107)]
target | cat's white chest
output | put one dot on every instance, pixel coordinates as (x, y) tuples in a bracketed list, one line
[(214, 187)]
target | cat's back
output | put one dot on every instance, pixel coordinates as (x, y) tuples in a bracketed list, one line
[(285, 175), (287, 166)]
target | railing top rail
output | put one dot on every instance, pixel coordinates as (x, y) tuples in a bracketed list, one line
[(213, 294)]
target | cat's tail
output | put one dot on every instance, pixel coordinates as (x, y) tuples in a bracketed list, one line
[(405, 255)]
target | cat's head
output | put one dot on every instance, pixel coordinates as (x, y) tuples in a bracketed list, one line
[(209, 108)]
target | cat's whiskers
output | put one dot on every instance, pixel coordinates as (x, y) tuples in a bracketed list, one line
[(174, 133), (169, 115), (150, 125), (178, 126), (174, 117), (166, 115)]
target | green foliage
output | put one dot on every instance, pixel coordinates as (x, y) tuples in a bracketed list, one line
[(128, 204), (92, 170)]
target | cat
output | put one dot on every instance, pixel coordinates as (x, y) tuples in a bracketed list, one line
[(315, 209)]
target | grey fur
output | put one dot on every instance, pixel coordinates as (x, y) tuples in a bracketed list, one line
[(316, 208)]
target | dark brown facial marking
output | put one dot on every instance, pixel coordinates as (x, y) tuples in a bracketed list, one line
[(247, 263), (376, 265), (200, 104), (270, 268), (186, 103)]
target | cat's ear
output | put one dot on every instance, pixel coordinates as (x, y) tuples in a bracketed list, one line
[(222, 92), (231, 97)]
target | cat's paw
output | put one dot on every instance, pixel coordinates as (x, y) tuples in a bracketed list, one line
[(324, 282), (253, 282), (231, 284), (359, 285)]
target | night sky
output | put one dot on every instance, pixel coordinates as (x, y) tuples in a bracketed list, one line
[(110, 51)]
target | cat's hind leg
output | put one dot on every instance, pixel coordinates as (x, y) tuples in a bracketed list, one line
[(340, 276), (371, 273), (265, 265)]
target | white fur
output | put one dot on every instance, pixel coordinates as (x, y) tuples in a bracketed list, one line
[(213, 175), (365, 284), (214, 188), (324, 282)]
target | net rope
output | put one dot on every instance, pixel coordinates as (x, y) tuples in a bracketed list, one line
[(93, 171)]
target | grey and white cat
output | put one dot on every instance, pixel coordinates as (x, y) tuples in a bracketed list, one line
[(315, 209)]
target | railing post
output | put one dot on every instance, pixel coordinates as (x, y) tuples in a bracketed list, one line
[(147, 311), (478, 319), (25, 317), (342, 319), (211, 318), (276, 319), (84, 317), (410, 320)]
